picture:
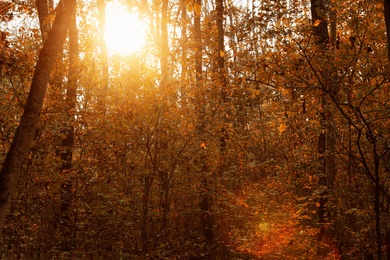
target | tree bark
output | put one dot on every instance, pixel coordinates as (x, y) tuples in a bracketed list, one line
[(205, 198), (68, 141), (103, 57), (320, 30), (164, 44), (198, 47), (23, 139), (43, 16), (184, 51), (387, 21), (326, 142)]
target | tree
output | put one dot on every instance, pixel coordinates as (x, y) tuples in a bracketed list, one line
[(23, 138), (69, 128), (219, 139), (387, 21)]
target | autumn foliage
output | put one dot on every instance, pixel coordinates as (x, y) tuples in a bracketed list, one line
[(236, 132)]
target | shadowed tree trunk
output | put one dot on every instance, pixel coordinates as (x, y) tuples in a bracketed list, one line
[(43, 16), (165, 79), (205, 198), (184, 54), (224, 228), (103, 56), (23, 139), (387, 21), (68, 141), (326, 143)]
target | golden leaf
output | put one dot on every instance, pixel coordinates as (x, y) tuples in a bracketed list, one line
[(373, 82), (282, 128), (222, 53), (317, 22), (190, 7), (197, 8)]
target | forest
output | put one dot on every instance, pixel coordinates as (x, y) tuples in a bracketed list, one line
[(255, 129)]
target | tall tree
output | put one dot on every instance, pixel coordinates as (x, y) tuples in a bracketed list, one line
[(69, 120), (23, 138), (387, 21), (327, 137), (103, 56), (44, 17), (205, 198)]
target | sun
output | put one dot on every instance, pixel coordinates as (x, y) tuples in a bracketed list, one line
[(124, 33)]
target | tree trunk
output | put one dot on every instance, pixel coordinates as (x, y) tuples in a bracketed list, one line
[(198, 46), (145, 241), (164, 45), (103, 57), (327, 138), (223, 252), (205, 191), (68, 141), (43, 16), (387, 21), (23, 139), (321, 30), (221, 48), (183, 75)]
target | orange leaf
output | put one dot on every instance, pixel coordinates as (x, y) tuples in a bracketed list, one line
[(317, 22), (373, 82), (197, 8), (282, 128), (190, 7)]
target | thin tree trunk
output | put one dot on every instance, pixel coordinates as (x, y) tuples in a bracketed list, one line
[(205, 192), (198, 47), (377, 203), (326, 139), (103, 56), (24, 135), (224, 228), (68, 141), (184, 59), (43, 16), (387, 21), (221, 48), (145, 215), (164, 44)]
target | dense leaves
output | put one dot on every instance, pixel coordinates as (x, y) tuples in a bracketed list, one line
[(213, 141)]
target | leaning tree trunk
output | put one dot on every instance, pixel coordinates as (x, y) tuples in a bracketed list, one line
[(23, 139)]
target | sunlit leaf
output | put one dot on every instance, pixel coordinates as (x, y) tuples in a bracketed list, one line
[(190, 7), (373, 82), (197, 8), (317, 22), (351, 211), (282, 128)]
